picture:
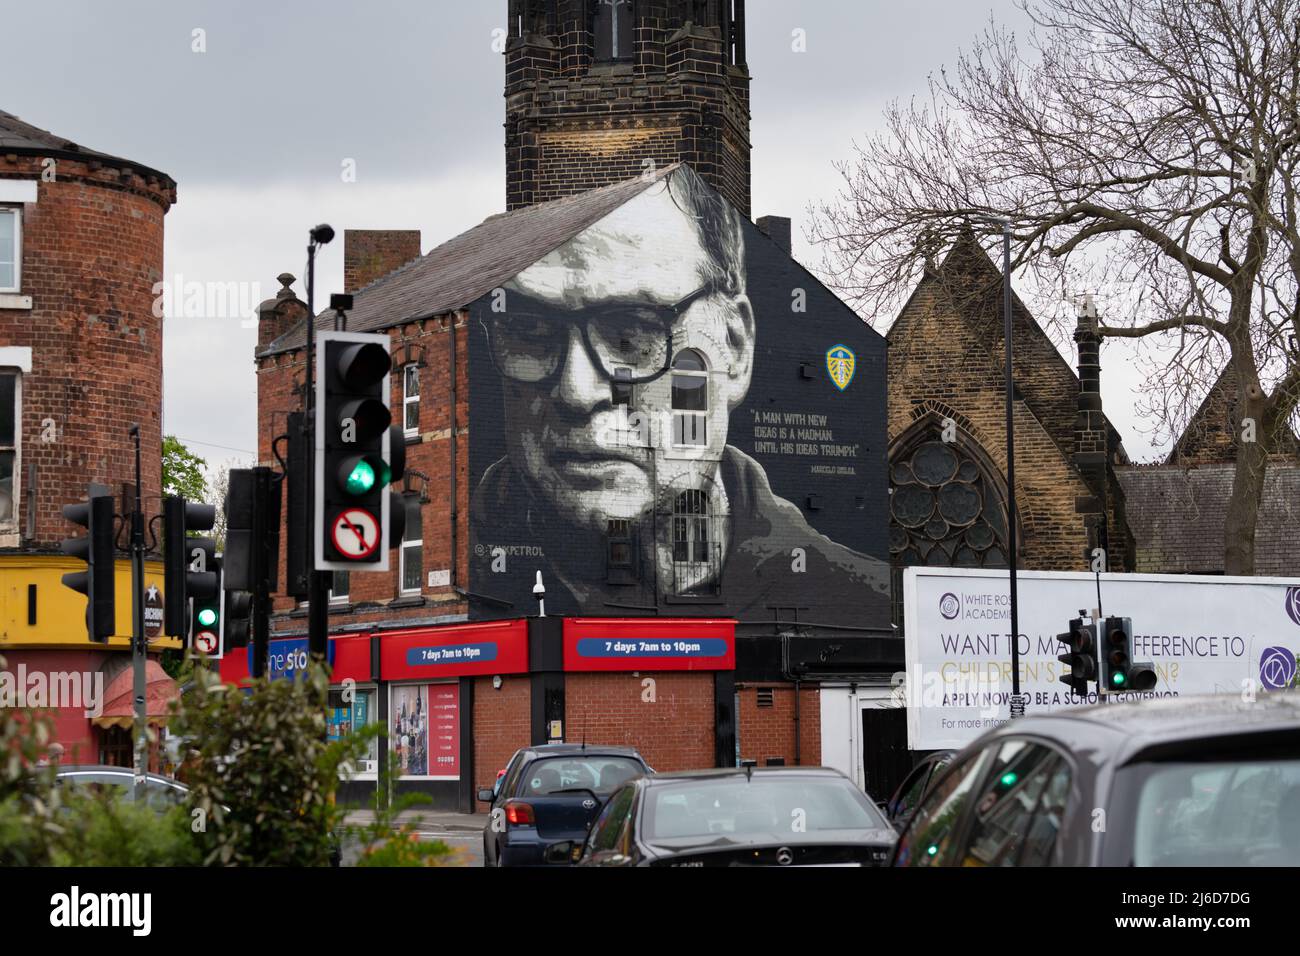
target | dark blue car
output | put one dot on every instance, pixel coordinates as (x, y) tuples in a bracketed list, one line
[(550, 794)]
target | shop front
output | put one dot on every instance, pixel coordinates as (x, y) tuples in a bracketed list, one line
[(456, 701)]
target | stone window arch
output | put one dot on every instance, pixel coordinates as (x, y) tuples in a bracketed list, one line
[(947, 505)]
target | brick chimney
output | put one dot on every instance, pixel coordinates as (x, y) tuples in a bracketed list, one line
[(278, 315), (370, 254), (778, 229)]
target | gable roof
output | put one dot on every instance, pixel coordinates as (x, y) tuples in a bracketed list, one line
[(1211, 433), (1043, 379), (24, 139), (465, 268)]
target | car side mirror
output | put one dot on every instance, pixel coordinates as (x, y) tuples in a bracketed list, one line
[(485, 795)]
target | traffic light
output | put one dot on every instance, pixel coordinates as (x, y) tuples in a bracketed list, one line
[(236, 617), (205, 596), (359, 453), (1081, 656), (186, 569), (1119, 671), (252, 556), (96, 549)]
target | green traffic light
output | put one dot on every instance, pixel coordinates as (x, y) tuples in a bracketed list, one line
[(207, 617), (361, 479), (1009, 778), (1117, 679), (933, 849)]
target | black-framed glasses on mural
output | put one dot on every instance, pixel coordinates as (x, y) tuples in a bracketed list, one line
[(529, 342)]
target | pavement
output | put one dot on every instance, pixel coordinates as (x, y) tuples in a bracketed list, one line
[(463, 832)]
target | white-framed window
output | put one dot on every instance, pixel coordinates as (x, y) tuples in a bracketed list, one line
[(11, 248), (351, 715), (690, 399), (411, 400), (10, 442), (411, 557), (339, 587)]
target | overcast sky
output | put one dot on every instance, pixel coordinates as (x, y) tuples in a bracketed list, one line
[(255, 131)]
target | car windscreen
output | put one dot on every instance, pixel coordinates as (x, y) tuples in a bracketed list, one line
[(796, 808), (601, 775), (1220, 813)]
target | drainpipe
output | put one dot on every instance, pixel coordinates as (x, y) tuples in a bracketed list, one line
[(797, 749), (455, 551)]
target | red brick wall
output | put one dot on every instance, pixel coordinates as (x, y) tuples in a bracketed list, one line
[(430, 455), (766, 732), (501, 726), (675, 732), (370, 254), (92, 254)]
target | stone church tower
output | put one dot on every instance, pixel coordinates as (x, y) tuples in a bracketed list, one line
[(598, 90)]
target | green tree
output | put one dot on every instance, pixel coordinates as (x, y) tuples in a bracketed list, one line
[(182, 471)]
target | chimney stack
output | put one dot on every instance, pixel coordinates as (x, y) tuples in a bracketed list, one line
[(278, 315), (777, 228), (370, 254)]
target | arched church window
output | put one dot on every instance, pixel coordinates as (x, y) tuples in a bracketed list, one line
[(944, 512)]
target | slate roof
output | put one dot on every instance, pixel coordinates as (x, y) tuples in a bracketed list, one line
[(474, 263), (1176, 516), (22, 138)]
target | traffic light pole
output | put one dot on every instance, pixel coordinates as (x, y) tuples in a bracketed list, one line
[(138, 655), (317, 588)]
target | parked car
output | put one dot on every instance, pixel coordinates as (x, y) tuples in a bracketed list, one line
[(773, 816), (161, 793), (915, 786), (1183, 781), (551, 794)]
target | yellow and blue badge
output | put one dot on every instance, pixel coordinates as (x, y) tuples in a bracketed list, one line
[(841, 364)]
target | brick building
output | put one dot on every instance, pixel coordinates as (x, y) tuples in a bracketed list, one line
[(81, 249), (734, 488), (945, 366), (727, 481), (947, 433)]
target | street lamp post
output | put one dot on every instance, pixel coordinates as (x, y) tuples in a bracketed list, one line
[(1017, 705), (1012, 544)]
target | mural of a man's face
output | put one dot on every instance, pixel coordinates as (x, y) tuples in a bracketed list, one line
[(608, 300)]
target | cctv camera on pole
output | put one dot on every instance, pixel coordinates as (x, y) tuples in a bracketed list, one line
[(539, 592)]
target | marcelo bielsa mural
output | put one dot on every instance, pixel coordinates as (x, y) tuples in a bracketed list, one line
[(686, 418)]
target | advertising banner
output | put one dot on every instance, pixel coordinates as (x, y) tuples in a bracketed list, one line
[(425, 734), (641, 644), (456, 651), (1203, 634)]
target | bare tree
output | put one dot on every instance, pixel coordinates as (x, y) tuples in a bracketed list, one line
[(1143, 150), (220, 485)]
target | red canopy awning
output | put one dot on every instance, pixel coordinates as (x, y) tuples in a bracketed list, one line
[(119, 706)]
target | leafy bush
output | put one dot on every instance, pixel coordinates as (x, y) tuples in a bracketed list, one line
[(262, 790), (265, 778), (386, 843), (104, 830)]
